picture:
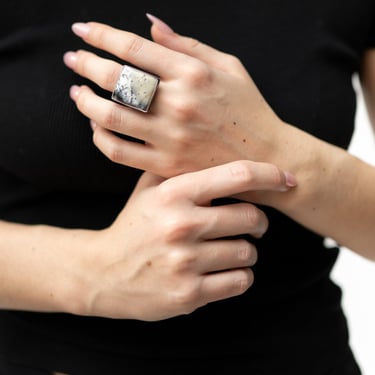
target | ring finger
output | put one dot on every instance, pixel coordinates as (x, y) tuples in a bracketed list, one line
[(220, 255)]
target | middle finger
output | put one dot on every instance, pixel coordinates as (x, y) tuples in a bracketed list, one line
[(130, 47), (220, 255)]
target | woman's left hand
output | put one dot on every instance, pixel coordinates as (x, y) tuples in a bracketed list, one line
[(207, 110)]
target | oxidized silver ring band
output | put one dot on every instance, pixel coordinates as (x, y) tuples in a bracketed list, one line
[(135, 88)]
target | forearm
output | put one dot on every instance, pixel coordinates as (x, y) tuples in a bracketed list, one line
[(335, 194), (41, 268)]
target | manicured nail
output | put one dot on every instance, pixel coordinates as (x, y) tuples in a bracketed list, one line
[(161, 25), (93, 125), (80, 29), (70, 59), (74, 92), (290, 180)]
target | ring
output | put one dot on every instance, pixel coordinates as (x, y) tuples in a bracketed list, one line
[(135, 88)]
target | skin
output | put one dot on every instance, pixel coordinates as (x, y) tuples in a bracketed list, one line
[(164, 255), (167, 253), (196, 122)]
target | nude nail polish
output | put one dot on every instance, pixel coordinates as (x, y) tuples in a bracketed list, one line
[(80, 29), (70, 59), (93, 125), (161, 25), (74, 92), (290, 180)]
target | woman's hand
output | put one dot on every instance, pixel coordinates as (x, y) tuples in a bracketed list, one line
[(207, 110), (170, 252), (167, 253)]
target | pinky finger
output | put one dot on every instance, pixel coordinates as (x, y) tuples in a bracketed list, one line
[(122, 151), (222, 285)]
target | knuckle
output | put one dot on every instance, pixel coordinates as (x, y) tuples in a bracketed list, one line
[(192, 42), (179, 134), (112, 77), (247, 253), (133, 46), (198, 74), (184, 109), (167, 193), (111, 118), (113, 152), (97, 33), (252, 216), (186, 297), (243, 281), (178, 228), (241, 170), (256, 220), (181, 261), (244, 252)]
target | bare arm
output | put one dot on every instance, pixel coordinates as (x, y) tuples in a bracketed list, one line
[(335, 195), (42, 267)]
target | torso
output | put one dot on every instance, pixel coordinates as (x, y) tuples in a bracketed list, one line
[(301, 54)]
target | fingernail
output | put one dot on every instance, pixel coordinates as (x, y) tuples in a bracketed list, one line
[(74, 92), (161, 25), (80, 29), (93, 125), (290, 180), (70, 59)]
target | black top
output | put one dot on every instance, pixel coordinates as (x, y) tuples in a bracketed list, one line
[(302, 55)]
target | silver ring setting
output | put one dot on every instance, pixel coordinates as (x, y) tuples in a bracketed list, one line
[(135, 88)]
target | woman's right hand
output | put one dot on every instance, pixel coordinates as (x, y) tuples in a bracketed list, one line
[(170, 252)]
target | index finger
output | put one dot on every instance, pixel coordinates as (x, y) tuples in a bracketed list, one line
[(233, 178), (132, 48)]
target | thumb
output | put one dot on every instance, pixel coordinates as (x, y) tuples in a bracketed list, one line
[(147, 180), (163, 34)]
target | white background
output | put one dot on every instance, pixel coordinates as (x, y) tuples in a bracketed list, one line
[(355, 274)]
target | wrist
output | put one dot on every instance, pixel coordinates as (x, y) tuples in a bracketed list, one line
[(298, 153), (316, 165), (44, 268), (72, 255), (89, 286)]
